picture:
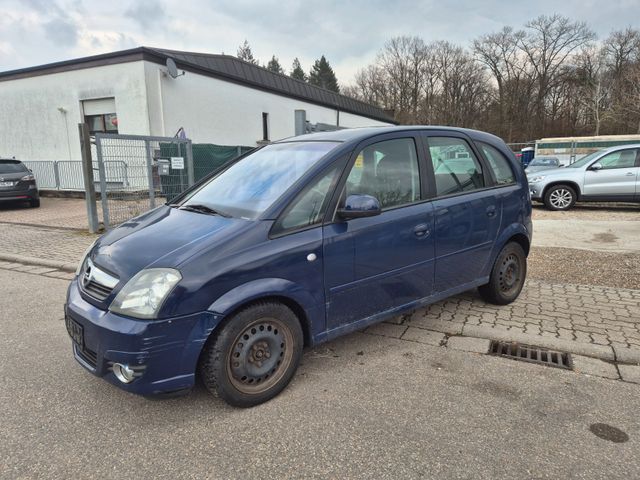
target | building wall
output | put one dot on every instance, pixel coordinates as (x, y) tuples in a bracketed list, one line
[(225, 113), (32, 127), (147, 103)]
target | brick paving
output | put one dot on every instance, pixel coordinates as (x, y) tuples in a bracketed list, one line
[(49, 244), (67, 213), (599, 318)]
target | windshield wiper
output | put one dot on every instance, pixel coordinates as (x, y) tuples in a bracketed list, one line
[(204, 209)]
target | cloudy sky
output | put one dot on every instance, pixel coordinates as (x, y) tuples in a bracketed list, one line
[(349, 33)]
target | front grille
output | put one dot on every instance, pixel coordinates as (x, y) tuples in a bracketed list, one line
[(97, 291), (89, 356)]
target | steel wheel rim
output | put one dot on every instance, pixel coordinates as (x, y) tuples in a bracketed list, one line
[(510, 274), (561, 198), (260, 356)]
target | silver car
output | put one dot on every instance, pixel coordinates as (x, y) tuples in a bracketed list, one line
[(609, 175)]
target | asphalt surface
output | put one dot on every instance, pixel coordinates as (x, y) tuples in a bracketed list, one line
[(363, 406)]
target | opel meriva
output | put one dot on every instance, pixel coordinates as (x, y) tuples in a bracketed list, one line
[(294, 244)]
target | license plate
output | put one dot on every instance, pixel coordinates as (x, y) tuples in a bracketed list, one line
[(6, 184), (75, 330)]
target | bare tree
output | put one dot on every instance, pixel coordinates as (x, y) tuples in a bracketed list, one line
[(548, 44)]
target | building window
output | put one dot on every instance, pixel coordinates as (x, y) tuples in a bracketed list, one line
[(103, 123), (265, 126)]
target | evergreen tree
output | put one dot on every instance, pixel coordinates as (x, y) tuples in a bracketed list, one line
[(245, 53), (323, 76), (274, 65), (297, 72)]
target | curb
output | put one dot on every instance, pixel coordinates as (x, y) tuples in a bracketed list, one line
[(41, 262)]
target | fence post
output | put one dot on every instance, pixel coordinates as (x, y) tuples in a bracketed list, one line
[(87, 174), (190, 172), (152, 187), (56, 174), (103, 183)]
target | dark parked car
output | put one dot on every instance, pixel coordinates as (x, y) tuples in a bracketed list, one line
[(295, 244), (17, 183), (542, 163)]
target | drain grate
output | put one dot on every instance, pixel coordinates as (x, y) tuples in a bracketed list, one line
[(527, 353)]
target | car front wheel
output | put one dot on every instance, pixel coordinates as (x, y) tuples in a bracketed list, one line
[(254, 356), (507, 276), (560, 197)]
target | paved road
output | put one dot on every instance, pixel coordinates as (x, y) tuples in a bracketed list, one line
[(598, 235), (365, 406)]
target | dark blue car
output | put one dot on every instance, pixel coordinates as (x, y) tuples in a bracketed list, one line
[(292, 245)]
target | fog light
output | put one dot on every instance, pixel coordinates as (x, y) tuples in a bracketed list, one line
[(123, 373)]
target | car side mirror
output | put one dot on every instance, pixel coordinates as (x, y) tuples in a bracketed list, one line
[(359, 206), (596, 166)]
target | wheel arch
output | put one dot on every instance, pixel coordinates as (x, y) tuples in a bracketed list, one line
[(303, 304), (570, 183)]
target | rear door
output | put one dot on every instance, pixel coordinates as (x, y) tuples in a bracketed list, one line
[(466, 209), (617, 178), (376, 264)]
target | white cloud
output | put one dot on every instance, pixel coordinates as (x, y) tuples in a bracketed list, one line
[(350, 33)]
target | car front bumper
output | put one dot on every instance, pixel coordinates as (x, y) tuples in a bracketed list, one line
[(162, 353), (536, 189)]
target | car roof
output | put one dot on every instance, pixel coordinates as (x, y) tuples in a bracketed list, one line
[(10, 160), (362, 133)]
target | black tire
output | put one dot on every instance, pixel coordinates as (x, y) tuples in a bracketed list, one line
[(254, 355), (560, 197), (34, 203), (507, 276)]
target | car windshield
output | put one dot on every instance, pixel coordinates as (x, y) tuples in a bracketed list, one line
[(251, 185), (584, 160), (544, 162), (12, 166)]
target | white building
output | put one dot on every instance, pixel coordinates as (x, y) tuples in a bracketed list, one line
[(219, 99)]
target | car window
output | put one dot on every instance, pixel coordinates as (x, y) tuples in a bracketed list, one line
[(455, 166), (619, 159), (12, 166), (252, 184), (309, 206), (388, 171), (500, 165)]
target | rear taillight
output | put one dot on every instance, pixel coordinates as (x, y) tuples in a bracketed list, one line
[(27, 178)]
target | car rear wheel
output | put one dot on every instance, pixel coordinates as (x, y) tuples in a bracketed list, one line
[(254, 356), (560, 197), (507, 276)]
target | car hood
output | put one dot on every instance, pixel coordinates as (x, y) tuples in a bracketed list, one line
[(567, 172), (534, 169), (164, 237)]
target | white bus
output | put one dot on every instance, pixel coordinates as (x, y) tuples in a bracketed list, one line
[(570, 149)]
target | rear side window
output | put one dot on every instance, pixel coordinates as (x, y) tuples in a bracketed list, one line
[(12, 166), (500, 165), (455, 166)]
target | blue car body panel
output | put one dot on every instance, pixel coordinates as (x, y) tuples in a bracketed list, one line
[(338, 277)]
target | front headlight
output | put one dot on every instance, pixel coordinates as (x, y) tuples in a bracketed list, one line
[(145, 293), (536, 179)]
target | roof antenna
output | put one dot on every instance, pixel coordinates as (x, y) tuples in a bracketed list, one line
[(173, 69)]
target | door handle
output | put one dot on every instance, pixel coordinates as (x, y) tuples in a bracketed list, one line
[(421, 230), (491, 212), (629, 174)]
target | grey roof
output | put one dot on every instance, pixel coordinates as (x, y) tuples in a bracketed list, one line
[(220, 66)]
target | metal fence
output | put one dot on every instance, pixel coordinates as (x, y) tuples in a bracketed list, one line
[(137, 173), (67, 174)]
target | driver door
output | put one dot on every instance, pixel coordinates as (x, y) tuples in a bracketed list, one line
[(380, 263)]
